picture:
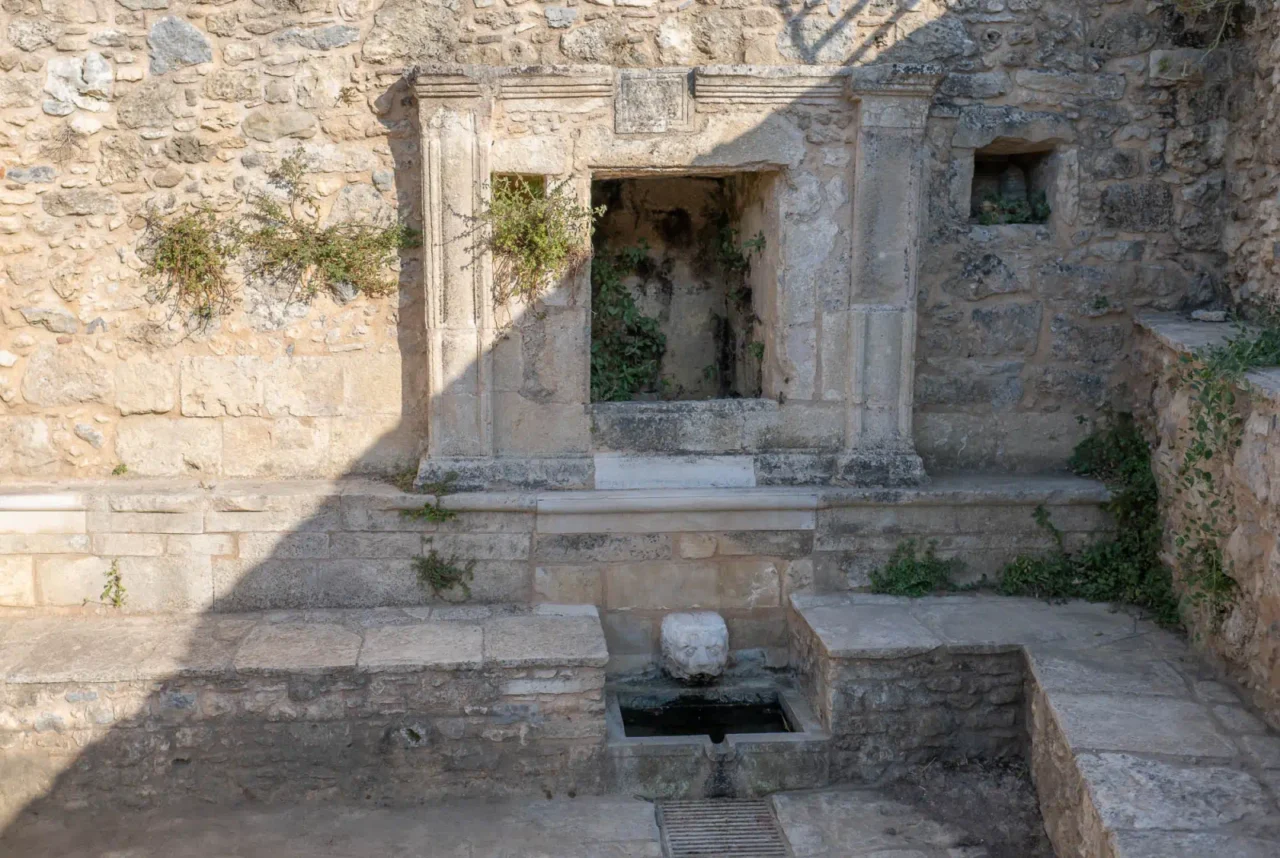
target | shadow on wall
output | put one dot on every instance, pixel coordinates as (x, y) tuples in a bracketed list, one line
[(155, 753)]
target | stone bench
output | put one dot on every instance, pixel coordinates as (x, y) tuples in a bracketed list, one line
[(1137, 751), (391, 704)]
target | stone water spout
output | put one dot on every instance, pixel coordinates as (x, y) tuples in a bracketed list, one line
[(695, 646)]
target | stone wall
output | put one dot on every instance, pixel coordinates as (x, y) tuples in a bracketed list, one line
[(1247, 638), (110, 107), (247, 546), (383, 706)]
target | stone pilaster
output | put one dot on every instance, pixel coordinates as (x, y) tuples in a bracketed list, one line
[(460, 329), (888, 204)]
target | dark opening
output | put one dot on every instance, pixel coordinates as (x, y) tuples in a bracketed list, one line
[(672, 289), (694, 715), (1009, 187)]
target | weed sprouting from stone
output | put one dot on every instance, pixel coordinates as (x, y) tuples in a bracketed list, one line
[(912, 573), (432, 510), (113, 592), (443, 575)]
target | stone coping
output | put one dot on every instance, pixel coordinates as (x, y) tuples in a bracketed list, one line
[(249, 496), (1159, 745), (1186, 336), (40, 648)]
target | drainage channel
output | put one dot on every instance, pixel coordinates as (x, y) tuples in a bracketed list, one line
[(719, 828)]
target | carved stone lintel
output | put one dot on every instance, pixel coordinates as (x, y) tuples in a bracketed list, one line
[(903, 80), (770, 84)]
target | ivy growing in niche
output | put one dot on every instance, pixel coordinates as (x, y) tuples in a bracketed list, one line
[(280, 237), (626, 345), (536, 233)]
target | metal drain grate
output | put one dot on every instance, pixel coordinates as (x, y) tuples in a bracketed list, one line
[(723, 828)]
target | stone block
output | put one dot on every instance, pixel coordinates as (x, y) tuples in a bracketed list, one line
[(303, 387), (65, 376), (167, 583), (286, 447), (568, 585), (146, 522), (196, 544), (527, 427), (17, 581), (749, 584), (437, 646), (630, 633), (1141, 725), (41, 521), (353, 545), (222, 386), (297, 648), (304, 512), (26, 446), (284, 545), (44, 543), (600, 547), (615, 471), (145, 386), (135, 544), (487, 546), (535, 641), (71, 580), (160, 447), (695, 546), (661, 586)]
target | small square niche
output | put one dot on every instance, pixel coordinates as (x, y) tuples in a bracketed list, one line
[(681, 266), (1010, 185)]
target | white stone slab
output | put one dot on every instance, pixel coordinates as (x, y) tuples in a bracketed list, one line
[(674, 472)]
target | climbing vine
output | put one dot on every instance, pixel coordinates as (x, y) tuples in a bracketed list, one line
[(1214, 381), (280, 237), (536, 233), (626, 345)]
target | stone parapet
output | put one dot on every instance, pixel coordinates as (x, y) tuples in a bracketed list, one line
[(385, 705), (1134, 744)]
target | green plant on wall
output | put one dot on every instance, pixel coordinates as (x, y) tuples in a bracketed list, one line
[(432, 510), (995, 210), (912, 573), (1214, 380), (286, 239), (188, 254), (1125, 569), (536, 233), (444, 576), (113, 591), (280, 236), (626, 345)]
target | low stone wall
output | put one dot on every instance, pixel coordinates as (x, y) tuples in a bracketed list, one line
[(1247, 636), (1136, 749), (637, 555), (379, 706)]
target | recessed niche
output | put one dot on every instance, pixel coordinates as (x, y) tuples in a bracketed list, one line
[(680, 264), (1010, 186)]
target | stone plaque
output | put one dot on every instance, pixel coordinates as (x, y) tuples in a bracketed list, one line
[(652, 102)]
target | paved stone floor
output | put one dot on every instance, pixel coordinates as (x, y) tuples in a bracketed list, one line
[(821, 824)]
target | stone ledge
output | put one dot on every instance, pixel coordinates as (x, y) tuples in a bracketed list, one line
[(1185, 336), (1130, 737), (42, 648)]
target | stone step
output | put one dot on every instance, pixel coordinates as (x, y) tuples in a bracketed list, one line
[(389, 704), (1131, 736)]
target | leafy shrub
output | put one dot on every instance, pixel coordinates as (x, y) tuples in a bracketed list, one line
[(909, 573), (536, 233), (1124, 569), (188, 253)]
